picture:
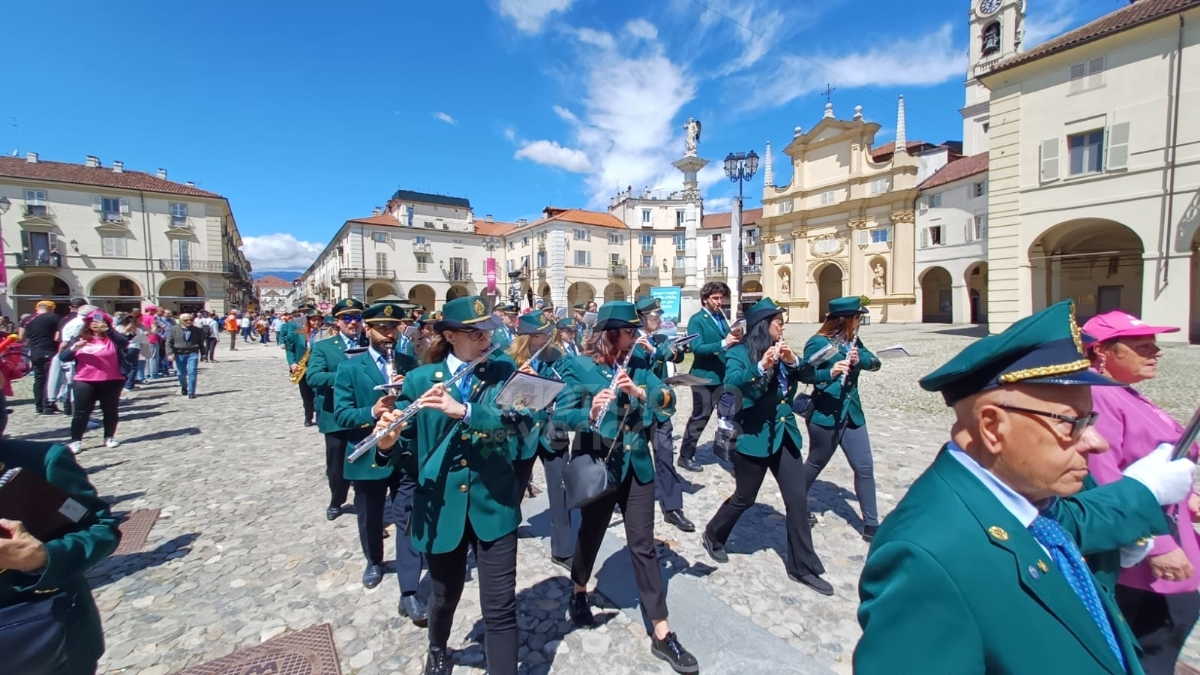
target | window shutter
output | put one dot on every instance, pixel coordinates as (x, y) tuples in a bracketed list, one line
[(864, 237), (1078, 72), (124, 206), (924, 237), (25, 243), (54, 243), (968, 233), (1118, 146), (109, 247), (97, 203), (1095, 71), (1049, 160)]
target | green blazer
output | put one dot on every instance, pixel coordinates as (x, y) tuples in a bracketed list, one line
[(69, 557), (464, 470), (354, 396), (766, 415), (708, 352), (833, 401), (663, 354), (626, 421), (323, 363), (955, 584), (295, 346), (501, 337), (284, 331)]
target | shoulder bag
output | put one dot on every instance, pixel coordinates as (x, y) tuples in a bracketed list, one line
[(33, 634)]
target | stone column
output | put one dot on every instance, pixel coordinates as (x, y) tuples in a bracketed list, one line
[(960, 294), (693, 216)]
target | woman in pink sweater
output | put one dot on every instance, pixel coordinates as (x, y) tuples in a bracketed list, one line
[(98, 355), (1158, 596)]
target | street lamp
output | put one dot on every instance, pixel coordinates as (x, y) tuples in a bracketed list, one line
[(4, 206), (740, 168)]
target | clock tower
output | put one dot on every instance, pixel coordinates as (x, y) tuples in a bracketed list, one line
[(996, 28)]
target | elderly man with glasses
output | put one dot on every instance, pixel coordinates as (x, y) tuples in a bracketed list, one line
[(184, 343), (981, 567)]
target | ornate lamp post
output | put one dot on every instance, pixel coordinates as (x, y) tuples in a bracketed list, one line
[(4, 205), (739, 168)]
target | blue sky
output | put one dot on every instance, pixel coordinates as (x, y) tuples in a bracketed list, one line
[(307, 114)]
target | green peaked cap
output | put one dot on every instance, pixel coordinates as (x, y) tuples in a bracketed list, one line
[(761, 311), (617, 314), (534, 323)]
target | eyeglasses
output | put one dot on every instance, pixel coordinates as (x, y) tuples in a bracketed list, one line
[(472, 334), (351, 318), (1078, 424)]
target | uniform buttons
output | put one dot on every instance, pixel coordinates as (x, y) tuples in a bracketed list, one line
[(462, 463), (374, 466), (782, 419), (466, 437), (629, 447), (462, 488)]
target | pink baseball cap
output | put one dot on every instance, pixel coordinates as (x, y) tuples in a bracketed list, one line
[(98, 315), (1118, 324)]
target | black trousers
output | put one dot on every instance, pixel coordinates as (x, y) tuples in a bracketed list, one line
[(335, 456), (667, 482), (371, 507), (788, 468), (1161, 624), (637, 509), (496, 565), (209, 353), (561, 544), (87, 394), (704, 400), (307, 396), (41, 368)]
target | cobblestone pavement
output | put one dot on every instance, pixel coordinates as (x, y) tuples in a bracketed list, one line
[(242, 551)]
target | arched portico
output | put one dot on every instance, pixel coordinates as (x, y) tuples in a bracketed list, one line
[(115, 293), (1096, 262), (829, 280), (937, 296), (182, 294)]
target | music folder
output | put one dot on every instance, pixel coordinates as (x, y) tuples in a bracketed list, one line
[(46, 510), (529, 392), (688, 380), (684, 340)]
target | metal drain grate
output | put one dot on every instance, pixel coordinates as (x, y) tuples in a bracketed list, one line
[(306, 652), (135, 528)]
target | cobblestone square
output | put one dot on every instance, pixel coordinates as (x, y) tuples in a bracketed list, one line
[(241, 551)]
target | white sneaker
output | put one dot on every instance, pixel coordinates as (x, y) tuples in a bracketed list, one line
[(111, 442), (76, 447)]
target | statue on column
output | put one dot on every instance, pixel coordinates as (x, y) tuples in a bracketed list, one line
[(693, 136), (785, 285), (878, 285)]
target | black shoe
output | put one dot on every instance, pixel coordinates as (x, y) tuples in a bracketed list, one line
[(333, 512), (812, 520), (581, 614), (668, 649), (412, 607), (183, 391), (814, 582), (372, 576), (438, 661), (679, 520), (689, 464), (53, 410), (308, 423), (191, 396), (869, 532), (714, 551)]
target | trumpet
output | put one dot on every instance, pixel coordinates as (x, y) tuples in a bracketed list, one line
[(411, 409), (612, 386)]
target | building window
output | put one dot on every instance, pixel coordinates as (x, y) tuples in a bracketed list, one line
[(541, 259), (991, 39), (878, 186), (380, 237), (614, 238), (422, 263), (647, 261), (110, 209), (113, 247), (512, 245), (429, 224), (381, 262), (580, 235), (828, 197), (583, 258), (935, 235), (35, 203), (614, 259), (524, 242), (645, 216), (718, 241), (979, 189), (679, 218), (935, 200), (1087, 75), (459, 269), (680, 262), (458, 243), (718, 260), (647, 241), (785, 248), (879, 235), (980, 227), (680, 241), (1087, 152), (178, 214), (420, 239)]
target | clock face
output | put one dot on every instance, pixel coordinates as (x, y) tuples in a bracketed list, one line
[(988, 6)]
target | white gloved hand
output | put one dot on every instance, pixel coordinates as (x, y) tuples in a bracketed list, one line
[(1169, 480)]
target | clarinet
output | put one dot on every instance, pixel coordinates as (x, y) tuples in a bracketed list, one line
[(411, 409), (612, 386)]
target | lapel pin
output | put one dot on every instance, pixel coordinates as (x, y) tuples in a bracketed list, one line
[(1033, 572), (438, 374), (1042, 566), (998, 533)]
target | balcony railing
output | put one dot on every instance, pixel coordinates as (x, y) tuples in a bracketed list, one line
[(618, 271), (185, 265), (458, 275), (749, 241), (647, 247), (678, 272), (419, 247), (752, 269), (39, 211), (716, 273), (648, 272), (42, 260), (680, 247), (117, 219)]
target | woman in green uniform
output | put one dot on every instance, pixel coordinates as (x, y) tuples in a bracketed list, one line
[(611, 408), (837, 417), (467, 490)]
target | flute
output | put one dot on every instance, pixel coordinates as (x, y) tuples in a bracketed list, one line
[(853, 339), (411, 409), (612, 386)]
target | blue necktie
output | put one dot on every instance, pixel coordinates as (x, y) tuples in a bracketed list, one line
[(464, 385), (1051, 535), (782, 376), (721, 323), (382, 363), (187, 335)]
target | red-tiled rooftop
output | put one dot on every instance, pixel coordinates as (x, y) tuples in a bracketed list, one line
[(273, 281), (1131, 16), (886, 150), (493, 228), (957, 170), (100, 176), (581, 217), (717, 221), (379, 219)]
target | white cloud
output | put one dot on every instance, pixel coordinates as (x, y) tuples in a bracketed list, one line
[(565, 114), (1048, 20), (924, 60), (510, 134), (529, 15), (596, 38), (718, 204), (551, 153), (641, 28), (280, 252), (753, 26), (445, 117)]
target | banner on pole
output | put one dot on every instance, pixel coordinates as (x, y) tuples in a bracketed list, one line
[(671, 298)]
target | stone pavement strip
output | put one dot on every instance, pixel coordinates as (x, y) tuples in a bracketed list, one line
[(242, 552)]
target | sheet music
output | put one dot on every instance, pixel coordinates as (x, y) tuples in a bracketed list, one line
[(530, 392), (893, 351)]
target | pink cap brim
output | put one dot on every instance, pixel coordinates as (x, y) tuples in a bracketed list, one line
[(1131, 331)]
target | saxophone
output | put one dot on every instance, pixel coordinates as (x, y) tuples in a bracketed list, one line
[(302, 366)]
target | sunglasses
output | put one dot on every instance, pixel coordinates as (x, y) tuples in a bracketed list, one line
[(351, 318), (1078, 424)]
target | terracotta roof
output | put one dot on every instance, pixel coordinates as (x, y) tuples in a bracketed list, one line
[(62, 172), (493, 228), (381, 219), (719, 221), (582, 217), (273, 281), (1131, 16), (886, 150), (957, 170)]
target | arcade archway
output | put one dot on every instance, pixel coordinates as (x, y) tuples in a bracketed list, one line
[(829, 287), (1096, 262), (937, 296)]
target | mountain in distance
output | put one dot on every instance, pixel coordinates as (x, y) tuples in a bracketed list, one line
[(286, 276)]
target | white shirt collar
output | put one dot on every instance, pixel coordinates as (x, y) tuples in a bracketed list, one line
[(375, 354), (1021, 508), (453, 362)]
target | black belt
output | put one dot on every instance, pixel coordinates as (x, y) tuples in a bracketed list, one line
[(188, 351)]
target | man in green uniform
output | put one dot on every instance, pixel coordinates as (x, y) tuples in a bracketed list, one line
[(708, 361), (504, 333), (323, 363), (569, 331), (980, 568), (358, 404)]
